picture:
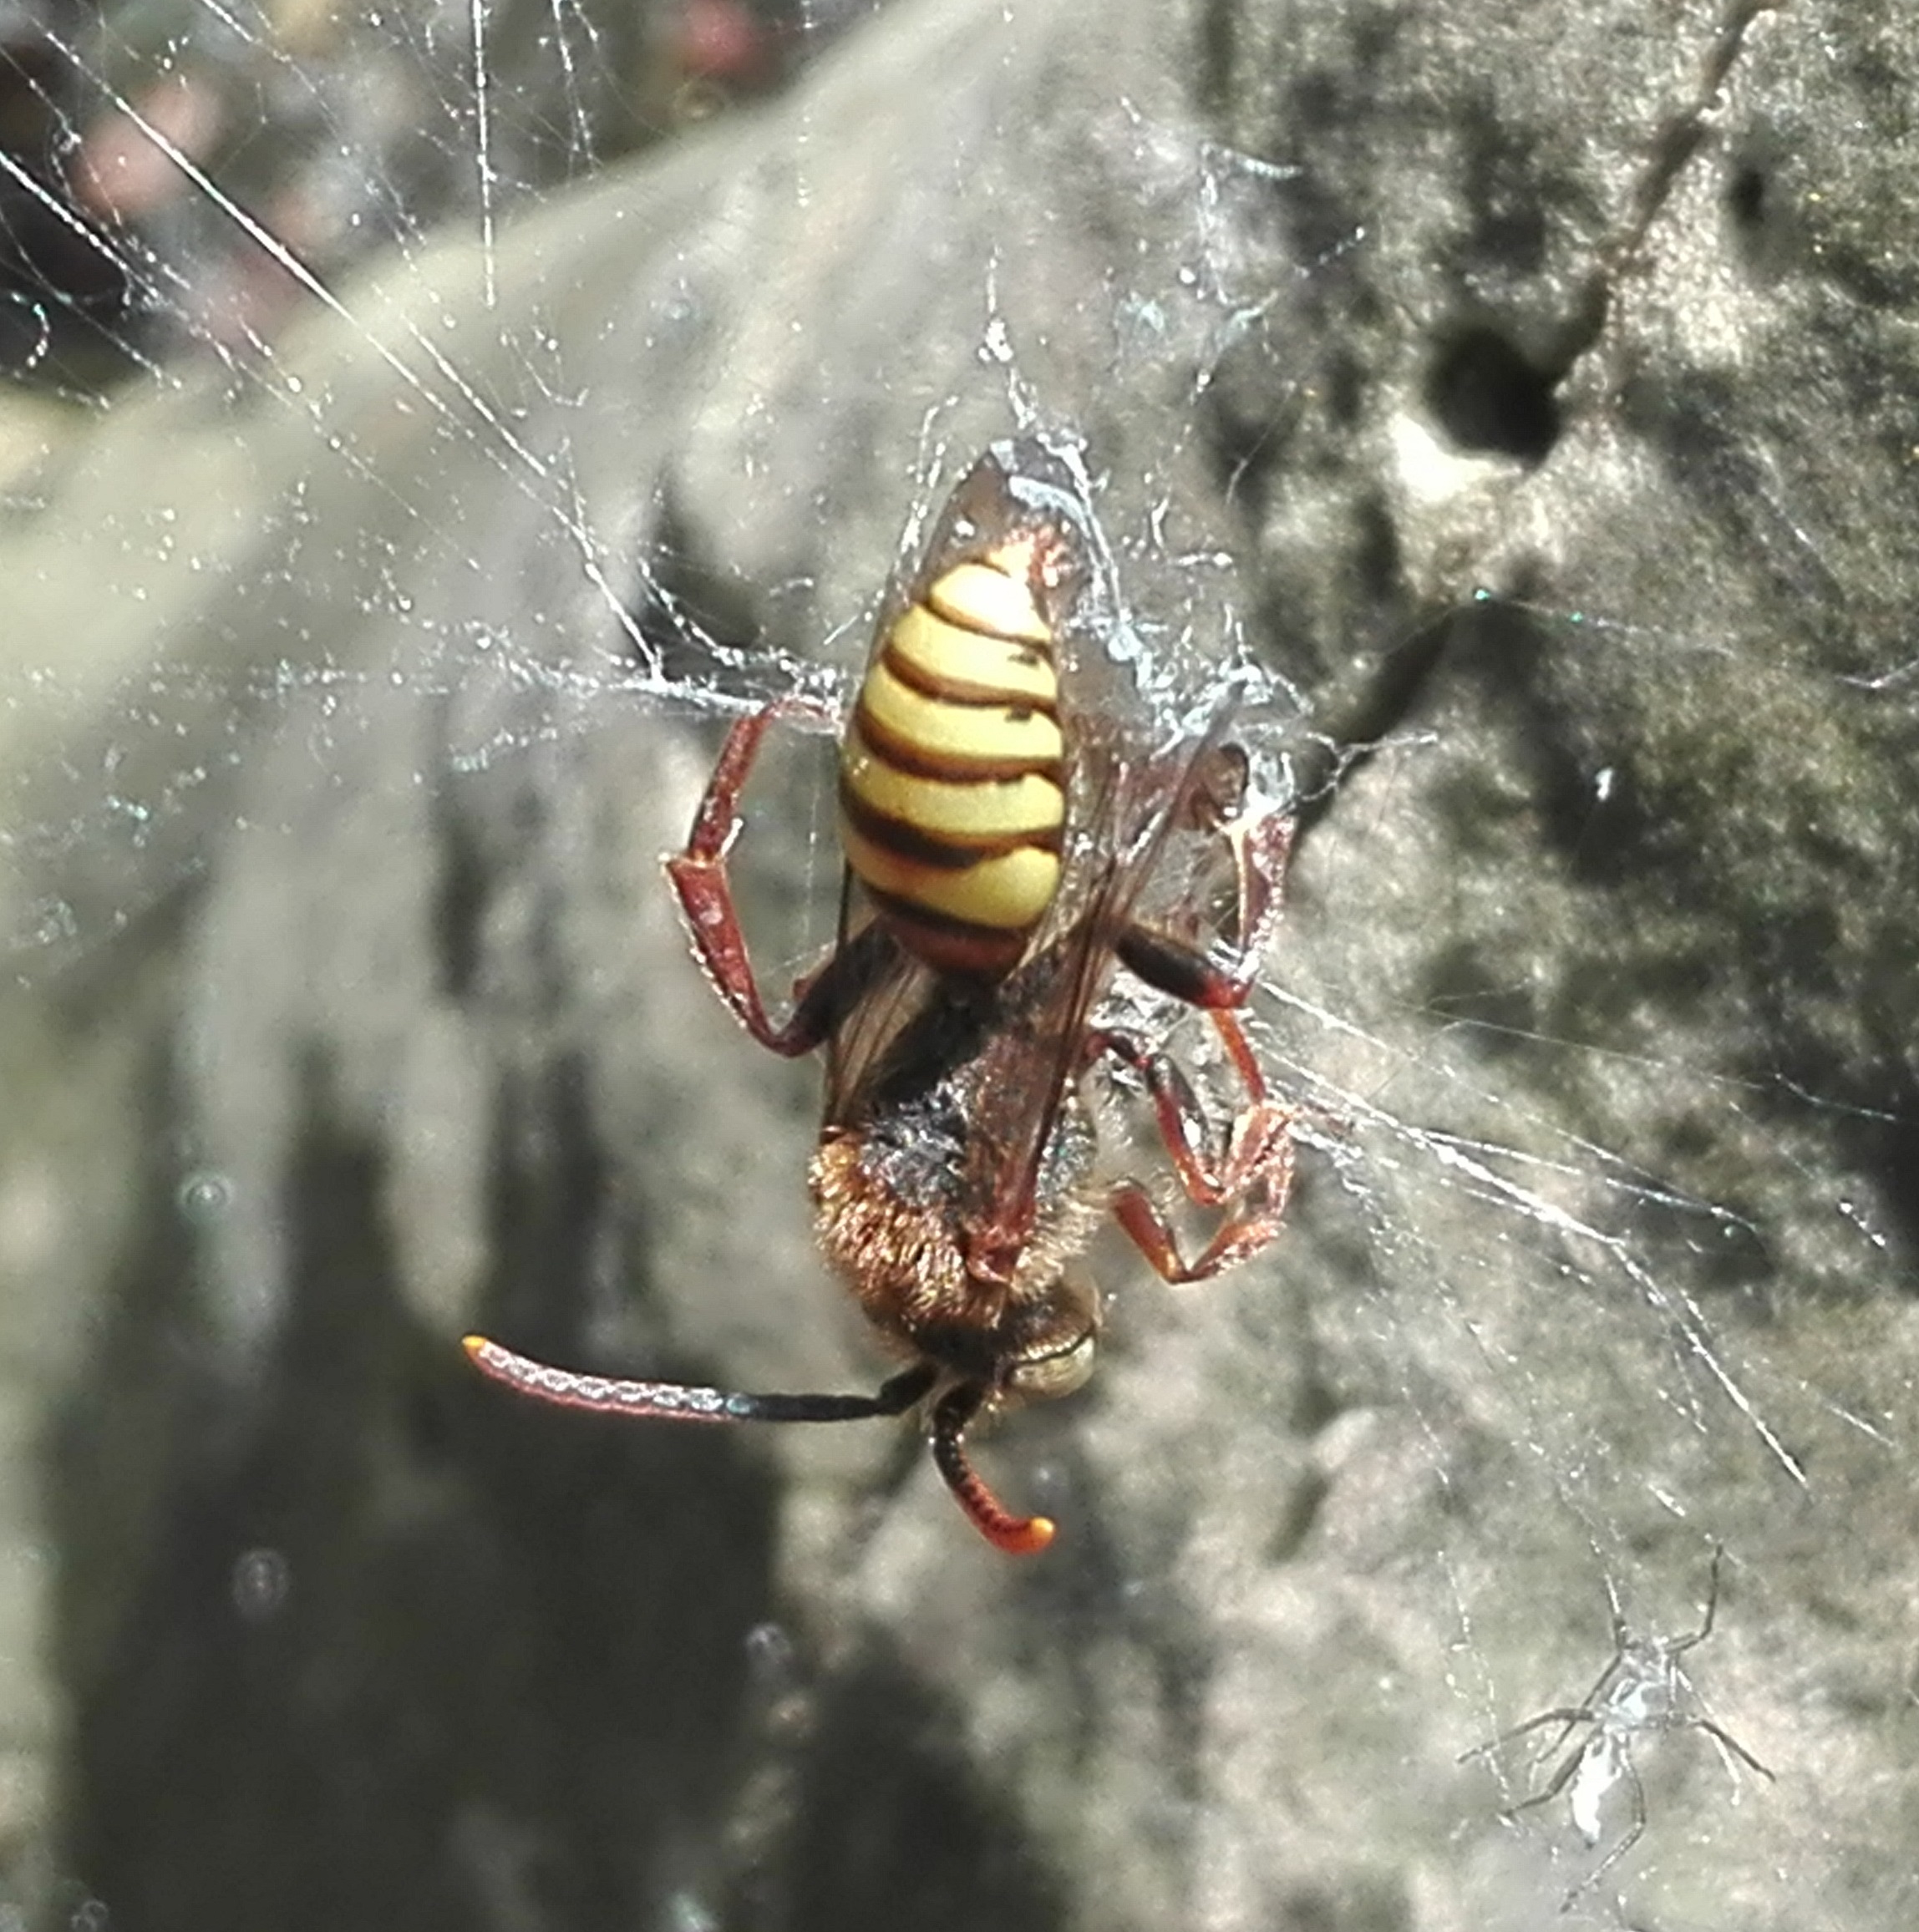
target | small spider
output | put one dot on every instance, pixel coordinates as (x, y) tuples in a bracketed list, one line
[(1643, 1692)]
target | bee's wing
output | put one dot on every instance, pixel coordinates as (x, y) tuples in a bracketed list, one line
[(1132, 798), (1014, 486), (887, 989)]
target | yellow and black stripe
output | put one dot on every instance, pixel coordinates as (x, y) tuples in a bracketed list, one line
[(953, 802)]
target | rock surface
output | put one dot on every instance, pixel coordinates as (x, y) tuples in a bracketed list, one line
[(1547, 380)]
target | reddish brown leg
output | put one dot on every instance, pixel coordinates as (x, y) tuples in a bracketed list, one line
[(1261, 843), (1261, 846), (699, 878), (1250, 1177)]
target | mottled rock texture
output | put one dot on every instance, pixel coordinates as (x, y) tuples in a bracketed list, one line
[(1546, 374)]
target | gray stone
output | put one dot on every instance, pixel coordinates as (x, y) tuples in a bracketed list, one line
[(351, 1014)]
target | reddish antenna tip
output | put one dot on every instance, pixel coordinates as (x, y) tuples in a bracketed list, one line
[(475, 1345), (1026, 1538), (1012, 1535)]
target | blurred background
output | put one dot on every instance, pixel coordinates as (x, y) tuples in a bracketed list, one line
[(421, 430)]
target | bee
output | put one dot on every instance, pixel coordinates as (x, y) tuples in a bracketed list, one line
[(1002, 827)]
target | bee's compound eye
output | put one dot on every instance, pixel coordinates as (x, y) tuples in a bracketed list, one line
[(1057, 1373)]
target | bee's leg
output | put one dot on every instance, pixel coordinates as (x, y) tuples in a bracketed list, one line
[(1260, 841), (1250, 1177), (699, 879)]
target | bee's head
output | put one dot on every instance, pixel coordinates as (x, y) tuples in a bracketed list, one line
[(1042, 1345), (1049, 1342)]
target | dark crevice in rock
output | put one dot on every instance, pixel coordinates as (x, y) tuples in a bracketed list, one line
[(1766, 225), (1746, 195), (1674, 145), (1671, 149), (1489, 398), (1492, 393)]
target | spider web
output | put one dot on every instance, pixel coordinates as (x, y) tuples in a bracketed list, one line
[(207, 182)]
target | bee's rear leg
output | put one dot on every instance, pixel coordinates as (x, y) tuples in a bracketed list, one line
[(1250, 1177), (699, 878), (1260, 842)]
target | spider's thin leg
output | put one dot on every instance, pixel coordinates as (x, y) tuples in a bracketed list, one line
[(1635, 1831), (1731, 1743), (1568, 1715), (1598, 1697), (1705, 1629), (1554, 1785), (1617, 1611)]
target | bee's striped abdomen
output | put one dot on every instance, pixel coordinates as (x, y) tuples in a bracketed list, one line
[(952, 777)]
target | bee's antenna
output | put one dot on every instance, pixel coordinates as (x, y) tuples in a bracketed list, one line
[(1017, 1535), (680, 1402), (683, 1402)]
